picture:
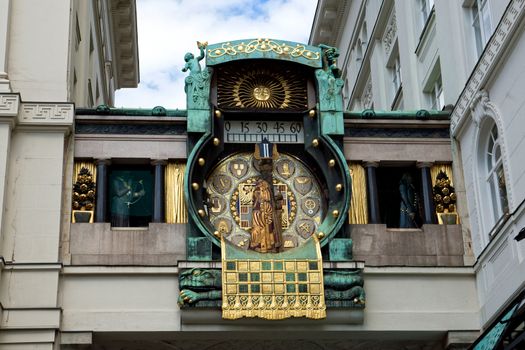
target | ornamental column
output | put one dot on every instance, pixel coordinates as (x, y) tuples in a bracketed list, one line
[(373, 197), (158, 195), (4, 29), (101, 203), (429, 216)]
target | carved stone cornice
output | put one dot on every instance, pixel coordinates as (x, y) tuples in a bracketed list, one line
[(123, 17), (9, 104), (490, 58), (329, 22), (41, 114)]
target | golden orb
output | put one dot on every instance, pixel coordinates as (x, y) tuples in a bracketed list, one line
[(331, 163), (217, 234), (218, 113), (320, 235), (195, 186), (335, 213), (315, 142), (201, 161), (216, 141), (202, 213), (311, 114), (338, 187)]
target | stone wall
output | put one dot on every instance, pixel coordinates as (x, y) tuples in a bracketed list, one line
[(99, 244), (433, 245)]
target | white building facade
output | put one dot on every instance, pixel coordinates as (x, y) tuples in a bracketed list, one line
[(52, 54), (87, 285), (464, 56)]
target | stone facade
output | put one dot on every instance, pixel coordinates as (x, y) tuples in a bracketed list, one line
[(86, 285), (37, 96), (478, 76)]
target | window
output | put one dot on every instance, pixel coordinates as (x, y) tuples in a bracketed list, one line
[(78, 36), (358, 50), (91, 45), (395, 76), (436, 95), (425, 7), (97, 90), (481, 24), (91, 101), (364, 37), (495, 175), (130, 196)]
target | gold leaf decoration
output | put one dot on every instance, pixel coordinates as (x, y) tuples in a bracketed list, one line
[(261, 87), (263, 45)]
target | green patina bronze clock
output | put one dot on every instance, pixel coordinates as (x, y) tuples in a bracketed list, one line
[(267, 185)]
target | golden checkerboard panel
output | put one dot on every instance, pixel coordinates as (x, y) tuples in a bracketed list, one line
[(273, 289)]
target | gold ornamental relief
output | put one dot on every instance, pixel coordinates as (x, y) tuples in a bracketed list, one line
[(245, 87), (263, 45), (262, 93)]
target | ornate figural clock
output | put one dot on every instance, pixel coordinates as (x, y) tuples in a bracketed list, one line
[(267, 185)]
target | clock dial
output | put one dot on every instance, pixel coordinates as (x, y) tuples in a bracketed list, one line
[(231, 199)]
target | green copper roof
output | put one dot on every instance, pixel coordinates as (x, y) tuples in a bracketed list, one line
[(158, 111), (264, 48)]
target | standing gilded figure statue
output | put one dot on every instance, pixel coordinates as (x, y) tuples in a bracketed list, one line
[(262, 232)]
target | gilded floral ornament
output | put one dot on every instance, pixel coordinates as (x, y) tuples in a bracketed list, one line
[(263, 45)]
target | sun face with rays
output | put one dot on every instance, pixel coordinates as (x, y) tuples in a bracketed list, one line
[(261, 88)]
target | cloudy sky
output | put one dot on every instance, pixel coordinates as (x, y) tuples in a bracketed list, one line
[(168, 29)]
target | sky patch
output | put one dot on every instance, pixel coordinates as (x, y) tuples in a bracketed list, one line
[(167, 29)]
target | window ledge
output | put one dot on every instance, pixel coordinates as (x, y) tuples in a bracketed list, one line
[(129, 228), (497, 227)]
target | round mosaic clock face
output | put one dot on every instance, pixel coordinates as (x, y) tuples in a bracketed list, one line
[(230, 189)]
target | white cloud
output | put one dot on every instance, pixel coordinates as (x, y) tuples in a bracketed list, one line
[(168, 29)]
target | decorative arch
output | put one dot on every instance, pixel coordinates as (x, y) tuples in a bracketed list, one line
[(490, 163)]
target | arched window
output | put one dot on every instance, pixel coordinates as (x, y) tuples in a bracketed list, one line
[(494, 174)]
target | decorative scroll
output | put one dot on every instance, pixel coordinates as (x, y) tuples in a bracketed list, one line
[(273, 286), (176, 211), (263, 45), (358, 208), (390, 35)]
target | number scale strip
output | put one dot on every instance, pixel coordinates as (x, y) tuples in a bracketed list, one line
[(243, 131)]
